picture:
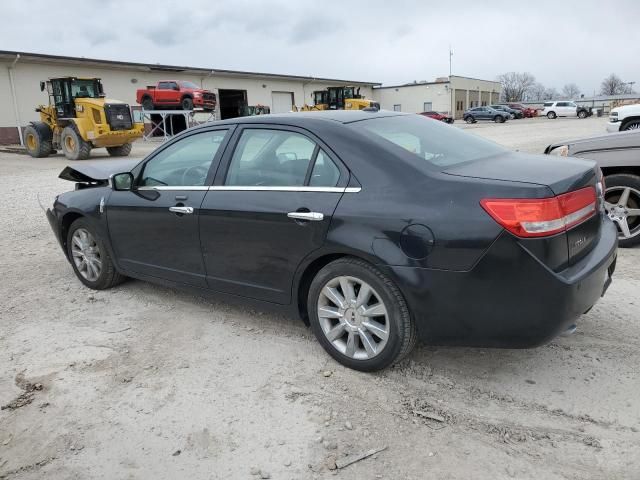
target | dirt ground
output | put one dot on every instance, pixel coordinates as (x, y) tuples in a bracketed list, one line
[(144, 382)]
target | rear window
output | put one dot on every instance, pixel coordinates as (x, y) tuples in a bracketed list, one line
[(435, 142)]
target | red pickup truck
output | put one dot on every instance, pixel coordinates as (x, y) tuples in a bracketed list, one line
[(171, 94)]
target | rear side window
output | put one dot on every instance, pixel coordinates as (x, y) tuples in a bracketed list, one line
[(435, 142), (548, 104), (279, 158)]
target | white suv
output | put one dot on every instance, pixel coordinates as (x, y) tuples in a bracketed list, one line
[(622, 118), (565, 109)]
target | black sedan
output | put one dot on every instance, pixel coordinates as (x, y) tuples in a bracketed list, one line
[(377, 228)]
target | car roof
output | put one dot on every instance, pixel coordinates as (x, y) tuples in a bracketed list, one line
[(627, 139), (303, 119)]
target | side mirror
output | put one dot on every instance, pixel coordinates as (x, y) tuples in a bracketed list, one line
[(42, 85), (121, 181)]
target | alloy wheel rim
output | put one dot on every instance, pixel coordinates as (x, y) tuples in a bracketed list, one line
[(86, 254), (633, 126), (353, 317), (623, 207)]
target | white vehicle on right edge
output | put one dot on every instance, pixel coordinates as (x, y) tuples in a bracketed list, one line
[(622, 118)]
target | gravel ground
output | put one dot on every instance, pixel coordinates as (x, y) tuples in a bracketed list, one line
[(145, 382)]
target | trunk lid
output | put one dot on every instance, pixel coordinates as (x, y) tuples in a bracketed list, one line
[(560, 175)]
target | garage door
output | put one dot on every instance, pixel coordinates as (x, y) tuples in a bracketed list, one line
[(281, 102)]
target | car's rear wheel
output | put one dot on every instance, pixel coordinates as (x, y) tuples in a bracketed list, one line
[(470, 119), (582, 114), (359, 316), (632, 125), (147, 103), (89, 257), (498, 119), (622, 202), (551, 115)]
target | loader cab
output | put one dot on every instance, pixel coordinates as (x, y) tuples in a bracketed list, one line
[(63, 92), (338, 95), (320, 97)]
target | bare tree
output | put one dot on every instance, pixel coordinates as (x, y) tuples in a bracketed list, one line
[(515, 85), (613, 85), (570, 91), (551, 93), (536, 92)]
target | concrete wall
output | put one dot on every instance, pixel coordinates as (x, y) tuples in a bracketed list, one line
[(119, 84), (411, 98)]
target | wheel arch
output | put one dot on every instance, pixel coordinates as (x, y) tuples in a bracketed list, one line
[(628, 170), (629, 120), (307, 272), (65, 223)]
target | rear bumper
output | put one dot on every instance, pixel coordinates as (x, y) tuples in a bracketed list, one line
[(509, 298)]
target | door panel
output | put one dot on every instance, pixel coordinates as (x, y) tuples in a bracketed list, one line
[(154, 227), (251, 247), (148, 238)]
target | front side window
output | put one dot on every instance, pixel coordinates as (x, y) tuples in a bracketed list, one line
[(84, 89), (184, 163), (186, 84), (270, 158), (435, 142)]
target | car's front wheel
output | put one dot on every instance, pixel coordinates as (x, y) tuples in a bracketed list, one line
[(632, 125), (498, 119), (622, 202), (89, 257), (470, 119), (582, 114), (359, 316)]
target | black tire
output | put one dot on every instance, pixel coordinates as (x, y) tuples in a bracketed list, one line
[(469, 119), (551, 115), (147, 103), (73, 146), (402, 331), (632, 181), (120, 151), (187, 103), (108, 277), (37, 140), (582, 114), (631, 125), (498, 119)]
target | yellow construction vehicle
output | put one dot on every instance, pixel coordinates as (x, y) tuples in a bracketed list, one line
[(79, 118), (339, 98)]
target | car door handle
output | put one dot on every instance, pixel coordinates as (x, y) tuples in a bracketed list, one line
[(310, 216), (181, 210)]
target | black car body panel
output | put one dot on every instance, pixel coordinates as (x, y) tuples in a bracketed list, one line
[(466, 280)]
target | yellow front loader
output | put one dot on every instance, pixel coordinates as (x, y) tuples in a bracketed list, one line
[(79, 118), (339, 98)]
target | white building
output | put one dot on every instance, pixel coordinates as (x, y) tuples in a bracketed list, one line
[(21, 73), (447, 94)]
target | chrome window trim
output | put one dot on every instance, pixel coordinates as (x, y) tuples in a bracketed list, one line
[(229, 188)]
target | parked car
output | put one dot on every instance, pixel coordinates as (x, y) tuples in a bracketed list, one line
[(513, 113), (438, 116), (617, 156), (376, 227), (527, 112), (624, 118), (565, 109), (170, 94), (472, 115)]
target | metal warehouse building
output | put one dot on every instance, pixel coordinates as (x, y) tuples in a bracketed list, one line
[(21, 73), (446, 94)]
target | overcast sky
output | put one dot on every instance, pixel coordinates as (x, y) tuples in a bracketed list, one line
[(384, 41)]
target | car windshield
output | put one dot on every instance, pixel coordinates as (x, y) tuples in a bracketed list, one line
[(189, 85), (436, 142)]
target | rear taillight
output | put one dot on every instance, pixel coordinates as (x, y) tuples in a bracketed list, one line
[(541, 217)]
